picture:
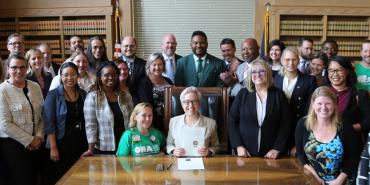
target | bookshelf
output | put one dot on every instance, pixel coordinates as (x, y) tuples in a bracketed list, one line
[(343, 21), (55, 26)]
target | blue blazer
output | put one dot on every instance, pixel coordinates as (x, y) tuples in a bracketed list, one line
[(300, 100), (55, 112)]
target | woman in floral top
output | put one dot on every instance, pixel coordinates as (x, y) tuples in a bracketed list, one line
[(326, 145)]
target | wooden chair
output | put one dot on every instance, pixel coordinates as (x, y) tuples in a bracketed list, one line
[(222, 103)]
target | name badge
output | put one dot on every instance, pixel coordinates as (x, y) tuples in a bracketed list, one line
[(136, 138), (153, 139)]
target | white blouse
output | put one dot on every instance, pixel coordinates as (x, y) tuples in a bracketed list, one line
[(289, 87)]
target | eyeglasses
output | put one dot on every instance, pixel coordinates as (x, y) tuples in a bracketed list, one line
[(16, 43), (260, 72), (338, 71), (20, 68), (66, 75), (107, 75), (193, 102)]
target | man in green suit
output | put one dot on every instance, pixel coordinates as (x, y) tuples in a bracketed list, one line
[(199, 69)]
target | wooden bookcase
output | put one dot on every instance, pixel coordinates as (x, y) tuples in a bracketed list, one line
[(346, 22), (55, 26)]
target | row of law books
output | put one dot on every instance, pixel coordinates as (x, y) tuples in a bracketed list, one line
[(57, 60), (301, 27), (348, 28), (7, 28), (294, 43), (53, 44), (84, 27), (349, 48), (85, 41), (39, 26)]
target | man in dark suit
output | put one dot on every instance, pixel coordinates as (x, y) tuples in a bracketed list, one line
[(168, 45), (305, 48), (231, 62), (199, 69), (135, 64)]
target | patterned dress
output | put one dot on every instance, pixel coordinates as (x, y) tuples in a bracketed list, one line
[(325, 158)]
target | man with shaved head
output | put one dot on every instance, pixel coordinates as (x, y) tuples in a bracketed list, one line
[(168, 45), (250, 52), (135, 64)]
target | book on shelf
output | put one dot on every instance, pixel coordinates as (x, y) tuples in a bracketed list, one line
[(84, 27), (53, 44), (39, 26)]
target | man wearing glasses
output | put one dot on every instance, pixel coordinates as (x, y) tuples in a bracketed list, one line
[(15, 44)]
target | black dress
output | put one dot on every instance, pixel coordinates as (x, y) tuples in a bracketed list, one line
[(74, 142)]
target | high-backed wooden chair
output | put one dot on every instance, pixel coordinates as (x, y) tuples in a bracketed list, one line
[(222, 107)]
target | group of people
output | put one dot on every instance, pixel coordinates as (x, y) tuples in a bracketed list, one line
[(291, 102)]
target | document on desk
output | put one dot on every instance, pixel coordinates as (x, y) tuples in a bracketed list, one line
[(193, 138), (190, 163)]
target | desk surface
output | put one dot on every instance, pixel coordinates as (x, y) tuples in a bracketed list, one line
[(218, 170)]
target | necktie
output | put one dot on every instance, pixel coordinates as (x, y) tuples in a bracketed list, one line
[(200, 65), (200, 68), (303, 66), (228, 66), (170, 69), (130, 67)]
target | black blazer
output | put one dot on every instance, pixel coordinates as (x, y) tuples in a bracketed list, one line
[(358, 109), (347, 137), (47, 81), (145, 94), (137, 74), (243, 124), (55, 67)]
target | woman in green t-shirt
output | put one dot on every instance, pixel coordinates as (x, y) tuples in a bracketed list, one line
[(141, 139)]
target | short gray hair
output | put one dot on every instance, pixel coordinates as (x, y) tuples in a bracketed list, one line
[(153, 57), (188, 90)]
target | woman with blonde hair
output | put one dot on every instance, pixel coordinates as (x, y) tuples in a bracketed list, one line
[(326, 145), (141, 139), (37, 72), (297, 88), (259, 118), (151, 88)]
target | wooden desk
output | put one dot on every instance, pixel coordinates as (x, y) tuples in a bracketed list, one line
[(218, 170)]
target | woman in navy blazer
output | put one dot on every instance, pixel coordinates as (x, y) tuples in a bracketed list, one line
[(259, 118), (297, 87), (64, 122)]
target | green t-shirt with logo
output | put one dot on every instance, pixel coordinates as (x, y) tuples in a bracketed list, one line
[(136, 144), (363, 77)]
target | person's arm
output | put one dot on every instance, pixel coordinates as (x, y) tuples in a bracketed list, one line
[(312, 171), (124, 146), (285, 122), (91, 121), (363, 167), (214, 145), (341, 179), (54, 152), (37, 103), (234, 119), (364, 105), (300, 141), (352, 149), (170, 140)]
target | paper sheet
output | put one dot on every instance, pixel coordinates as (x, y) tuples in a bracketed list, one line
[(190, 163), (192, 139)]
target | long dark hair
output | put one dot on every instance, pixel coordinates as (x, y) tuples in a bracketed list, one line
[(346, 63), (98, 86), (90, 56)]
